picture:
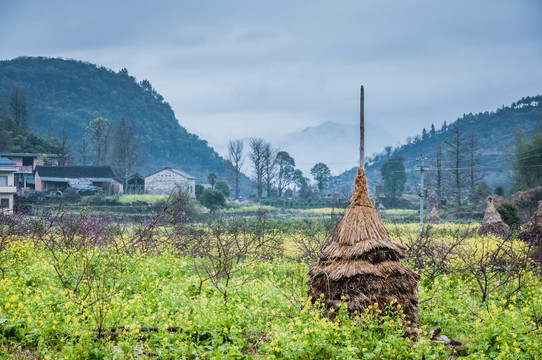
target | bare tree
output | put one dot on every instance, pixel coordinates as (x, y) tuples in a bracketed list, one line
[(88, 257), (311, 237), (456, 150), (83, 151), (224, 254), (502, 268), (256, 156), (126, 148), (12, 227), (235, 156), (65, 153), (474, 176), (18, 108), (436, 177), (270, 166), (439, 178)]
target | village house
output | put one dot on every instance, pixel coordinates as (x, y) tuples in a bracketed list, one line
[(7, 186), (26, 164), (165, 181), (135, 185), (82, 178)]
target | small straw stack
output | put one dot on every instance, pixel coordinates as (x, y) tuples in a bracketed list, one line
[(533, 231), (433, 217), (492, 222)]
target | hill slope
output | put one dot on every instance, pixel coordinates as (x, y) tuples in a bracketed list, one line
[(493, 133), (69, 94)]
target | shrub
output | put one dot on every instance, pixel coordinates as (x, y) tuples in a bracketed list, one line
[(71, 195), (509, 214), (223, 186), (199, 191), (180, 208), (213, 199)]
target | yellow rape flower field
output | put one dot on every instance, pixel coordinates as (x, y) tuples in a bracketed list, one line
[(83, 299)]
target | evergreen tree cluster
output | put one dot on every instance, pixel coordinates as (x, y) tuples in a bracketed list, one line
[(68, 94)]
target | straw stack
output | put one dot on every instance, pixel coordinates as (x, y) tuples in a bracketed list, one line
[(533, 231), (433, 217), (492, 222), (433, 200), (361, 266), (381, 210)]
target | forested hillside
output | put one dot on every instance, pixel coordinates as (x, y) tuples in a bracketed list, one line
[(68, 94), (488, 136)]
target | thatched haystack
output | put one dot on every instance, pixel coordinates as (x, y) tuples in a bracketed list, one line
[(492, 222), (361, 266), (381, 210), (433, 217), (432, 200), (533, 231)]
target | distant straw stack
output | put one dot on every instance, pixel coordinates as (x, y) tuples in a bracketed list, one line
[(432, 200), (533, 231), (361, 266), (492, 222), (433, 217), (381, 210)]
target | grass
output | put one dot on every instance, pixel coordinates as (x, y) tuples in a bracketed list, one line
[(151, 199), (267, 317)]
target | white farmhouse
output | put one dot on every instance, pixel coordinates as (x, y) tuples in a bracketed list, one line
[(165, 181), (7, 186)]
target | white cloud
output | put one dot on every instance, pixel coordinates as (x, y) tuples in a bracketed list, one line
[(241, 69)]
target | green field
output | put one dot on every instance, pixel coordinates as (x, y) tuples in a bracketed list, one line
[(88, 290)]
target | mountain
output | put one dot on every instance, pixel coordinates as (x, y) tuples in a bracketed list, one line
[(494, 136), (68, 94), (333, 143)]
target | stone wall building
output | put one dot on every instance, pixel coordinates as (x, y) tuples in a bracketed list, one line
[(167, 180)]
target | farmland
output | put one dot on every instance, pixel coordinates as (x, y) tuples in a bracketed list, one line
[(77, 287)]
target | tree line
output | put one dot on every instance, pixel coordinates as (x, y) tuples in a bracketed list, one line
[(272, 170), (15, 134), (455, 172), (69, 94), (116, 143), (103, 143)]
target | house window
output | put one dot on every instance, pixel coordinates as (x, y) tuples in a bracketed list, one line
[(4, 203), (3, 181), (28, 161)]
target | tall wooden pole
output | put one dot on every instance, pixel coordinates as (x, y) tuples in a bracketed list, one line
[(361, 132)]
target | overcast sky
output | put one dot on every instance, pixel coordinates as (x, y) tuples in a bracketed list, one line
[(235, 69)]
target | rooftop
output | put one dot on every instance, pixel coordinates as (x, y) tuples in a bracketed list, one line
[(29, 155), (75, 171), (5, 161), (178, 172)]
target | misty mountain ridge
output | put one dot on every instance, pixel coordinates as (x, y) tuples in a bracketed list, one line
[(494, 135), (68, 94), (336, 144)]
